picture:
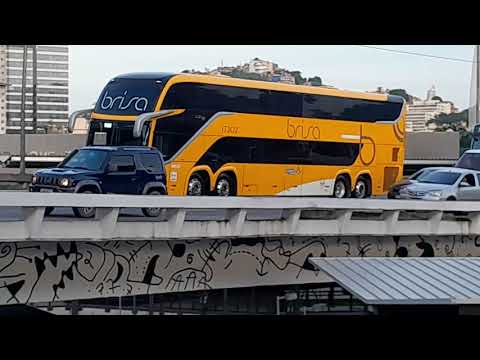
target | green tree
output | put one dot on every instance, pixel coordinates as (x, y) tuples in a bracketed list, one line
[(401, 92), (299, 80), (315, 81), (437, 98)]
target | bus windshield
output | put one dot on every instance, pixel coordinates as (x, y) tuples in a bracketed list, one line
[(117, 133)]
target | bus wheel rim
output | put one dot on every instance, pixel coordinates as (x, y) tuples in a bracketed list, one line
[(223, 188), (194, 187), (340, 190), (360, 189)]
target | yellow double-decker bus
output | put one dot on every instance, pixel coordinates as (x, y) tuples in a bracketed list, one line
[(225, 136)]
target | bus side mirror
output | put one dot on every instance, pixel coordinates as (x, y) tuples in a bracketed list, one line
[(72, 119)]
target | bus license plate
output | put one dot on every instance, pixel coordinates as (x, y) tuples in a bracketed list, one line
[(46, 190)]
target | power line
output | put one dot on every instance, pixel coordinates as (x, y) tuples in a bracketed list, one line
[(417, 54)]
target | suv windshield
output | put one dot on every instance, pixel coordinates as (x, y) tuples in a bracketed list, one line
[(86, 159), (469, 161), (440, 177)]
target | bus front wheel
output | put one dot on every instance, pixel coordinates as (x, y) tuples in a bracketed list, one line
[(196, 186), (226, 186)]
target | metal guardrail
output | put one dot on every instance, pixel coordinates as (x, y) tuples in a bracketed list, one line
[(15, 178), (239, 217)]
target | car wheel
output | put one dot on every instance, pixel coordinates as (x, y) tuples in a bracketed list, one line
[(341, 189), (196, 186), (225, 186), (362, 188), (152, 212), (84, 212), (48, 210)]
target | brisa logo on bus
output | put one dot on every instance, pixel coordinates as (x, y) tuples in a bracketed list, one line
[(302, 132), (139, 103)]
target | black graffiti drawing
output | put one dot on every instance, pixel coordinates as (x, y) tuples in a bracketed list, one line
[(400, 251), (57, 271), (426, 247)]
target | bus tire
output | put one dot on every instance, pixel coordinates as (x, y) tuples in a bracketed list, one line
[(342, 187), (451, 198), (226, 185), (197, 186), (362, 188), (48, 210)]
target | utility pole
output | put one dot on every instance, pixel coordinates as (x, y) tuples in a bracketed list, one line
[(22, 111), (34, 88)]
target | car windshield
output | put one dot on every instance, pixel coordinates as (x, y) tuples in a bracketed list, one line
[(86, 159), (469, 161), (420, 174), (440, 177)]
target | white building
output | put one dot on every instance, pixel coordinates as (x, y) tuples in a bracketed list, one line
[(258, 66), (420, 112), (431, 93), (284, 77), (52, 86)]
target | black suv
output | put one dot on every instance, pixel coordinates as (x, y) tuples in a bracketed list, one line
[(105, 170)]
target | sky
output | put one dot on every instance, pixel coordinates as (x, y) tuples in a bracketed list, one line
[(350, 67)]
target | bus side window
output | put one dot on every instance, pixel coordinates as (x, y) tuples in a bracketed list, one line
[(252, 153)]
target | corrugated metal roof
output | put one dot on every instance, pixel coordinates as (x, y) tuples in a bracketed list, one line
[(406, 281)]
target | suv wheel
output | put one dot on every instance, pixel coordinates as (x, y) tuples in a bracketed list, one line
[(196, 186), (84, 212), (152, 212)]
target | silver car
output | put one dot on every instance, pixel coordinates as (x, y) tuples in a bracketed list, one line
[(444, 184)]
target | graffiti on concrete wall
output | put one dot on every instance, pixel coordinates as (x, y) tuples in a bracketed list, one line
[(56, 271)]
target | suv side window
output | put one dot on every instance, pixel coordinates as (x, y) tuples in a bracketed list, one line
[(151, 162), (124, 163)]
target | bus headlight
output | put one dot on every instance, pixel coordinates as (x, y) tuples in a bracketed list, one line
[(65, 182)]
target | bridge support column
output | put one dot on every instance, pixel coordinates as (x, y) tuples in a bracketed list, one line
[(225, 301)]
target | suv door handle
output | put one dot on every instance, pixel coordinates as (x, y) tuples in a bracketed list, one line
[(134, 178)]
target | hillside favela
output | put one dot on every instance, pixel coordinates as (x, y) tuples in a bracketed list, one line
[(249, 180)]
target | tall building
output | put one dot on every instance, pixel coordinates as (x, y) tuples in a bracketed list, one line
[(431, 93), (52, 86), (3, 89)]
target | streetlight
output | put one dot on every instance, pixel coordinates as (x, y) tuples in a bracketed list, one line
[(22, 111)]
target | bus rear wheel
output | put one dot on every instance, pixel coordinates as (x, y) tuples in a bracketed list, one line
[(341, 189), (362, 188), (196, 186), (225, 186)]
